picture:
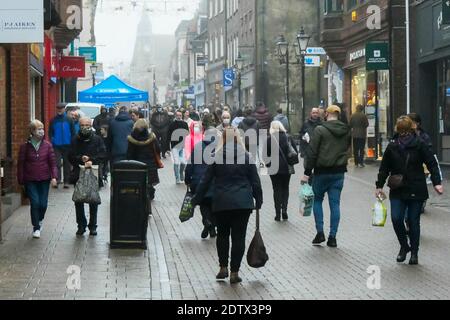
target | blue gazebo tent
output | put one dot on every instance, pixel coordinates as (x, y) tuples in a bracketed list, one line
[(111, 91)]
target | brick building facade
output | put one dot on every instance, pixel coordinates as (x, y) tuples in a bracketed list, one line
[(28, 92)]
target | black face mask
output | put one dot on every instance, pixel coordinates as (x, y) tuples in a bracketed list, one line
[(85, 132)]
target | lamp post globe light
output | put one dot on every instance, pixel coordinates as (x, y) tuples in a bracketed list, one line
[(94, 69), (239, 68), (302, 42)]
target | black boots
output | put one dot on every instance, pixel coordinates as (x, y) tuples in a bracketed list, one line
[(223, 273), (332, 243), (234, 278), (320, 238), (205, 233), (402, 254), (414, 259)]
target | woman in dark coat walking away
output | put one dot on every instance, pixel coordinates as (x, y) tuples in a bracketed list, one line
[(236, 186), (278, 168), (36, 169), (405, 155), (196, 168), (143, 146)]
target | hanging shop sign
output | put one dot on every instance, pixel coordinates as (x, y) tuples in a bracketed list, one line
[(22, 21), (89, 53), (72, 67), (377, 56)]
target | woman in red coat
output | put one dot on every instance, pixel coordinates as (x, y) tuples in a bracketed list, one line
[(36, 169)]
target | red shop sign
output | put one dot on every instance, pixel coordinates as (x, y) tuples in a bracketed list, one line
[(72, 67), (51, 58)]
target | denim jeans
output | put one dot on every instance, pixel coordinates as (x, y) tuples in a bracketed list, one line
[(37, 192), (332, 184), (179, 163), (399, 208)]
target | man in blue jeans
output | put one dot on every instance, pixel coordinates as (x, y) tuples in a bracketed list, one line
[(327, 159)]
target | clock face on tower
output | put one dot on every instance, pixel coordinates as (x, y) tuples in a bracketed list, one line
[(147, 48)]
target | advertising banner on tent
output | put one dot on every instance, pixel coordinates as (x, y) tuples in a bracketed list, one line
[(22, 21), (72, 67), (113, 90)]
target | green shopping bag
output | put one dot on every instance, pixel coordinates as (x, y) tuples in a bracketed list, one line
[(187, 210), (306, 196)]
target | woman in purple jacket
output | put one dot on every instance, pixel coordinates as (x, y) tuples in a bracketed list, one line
[(35, 170)]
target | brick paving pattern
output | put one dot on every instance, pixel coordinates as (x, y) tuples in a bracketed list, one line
[(180, 265)]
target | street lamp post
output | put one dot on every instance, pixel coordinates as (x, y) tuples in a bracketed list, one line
[(303, 40), (239, 67), (283, 54), (94, 69)]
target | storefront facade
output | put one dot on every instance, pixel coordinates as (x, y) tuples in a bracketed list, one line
[(379, 89), (371, 89), (432, 88)]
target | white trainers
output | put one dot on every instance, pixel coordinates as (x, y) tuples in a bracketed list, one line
[(37, 234)]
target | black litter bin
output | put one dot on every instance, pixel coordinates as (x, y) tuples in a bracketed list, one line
[(129, 205)]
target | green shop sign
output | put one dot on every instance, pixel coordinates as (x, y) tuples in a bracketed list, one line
[(377, 56), (89, 53)]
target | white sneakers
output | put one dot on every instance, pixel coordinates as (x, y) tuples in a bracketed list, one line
[(37, 234)]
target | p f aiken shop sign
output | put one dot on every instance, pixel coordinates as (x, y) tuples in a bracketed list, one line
[(22, 21), (72, 67)]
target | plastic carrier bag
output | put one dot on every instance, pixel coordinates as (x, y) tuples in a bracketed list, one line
[(379, 214), (306, 196)]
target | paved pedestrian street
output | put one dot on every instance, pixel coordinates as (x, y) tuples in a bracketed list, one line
[(179, 265)]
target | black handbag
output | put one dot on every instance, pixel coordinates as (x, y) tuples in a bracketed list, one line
[(292, 156), (397, 181), (257, 256)]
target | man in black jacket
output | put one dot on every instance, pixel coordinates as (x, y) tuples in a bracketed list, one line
[(160, 126), (250, 128), (178, 130), (103, 119), (87, 150), (307, 130), (328, 157)]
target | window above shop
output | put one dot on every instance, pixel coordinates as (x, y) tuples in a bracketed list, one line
[(351, 4), (331, 6)]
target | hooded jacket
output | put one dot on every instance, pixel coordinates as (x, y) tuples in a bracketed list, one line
[(119, 130), (142, 146), (236, 181), (328, 149), (395, 162), (250, 123), (283, 119), (61, 131), (195, 171)]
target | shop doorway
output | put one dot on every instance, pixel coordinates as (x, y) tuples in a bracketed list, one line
[(444, 109)]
